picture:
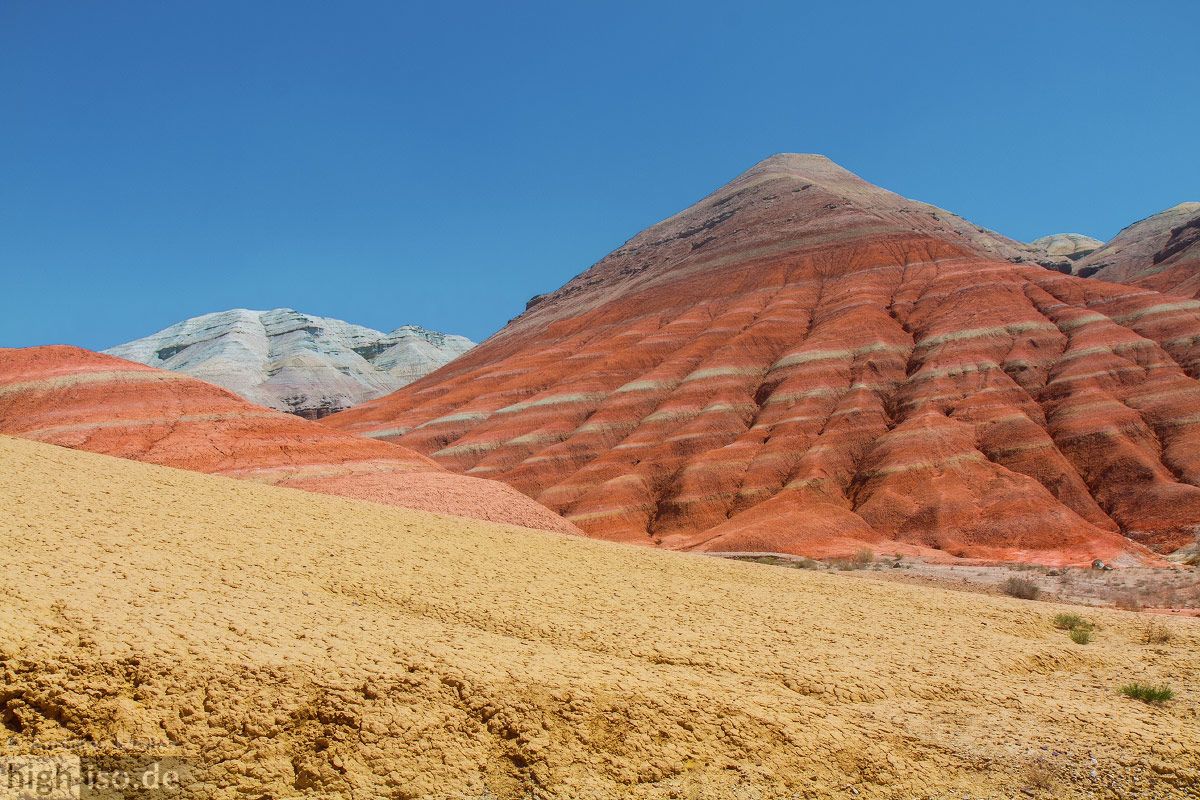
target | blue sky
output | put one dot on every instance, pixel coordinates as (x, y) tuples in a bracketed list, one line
[(390, 163)]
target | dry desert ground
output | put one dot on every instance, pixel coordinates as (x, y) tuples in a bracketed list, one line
[(283, 644)]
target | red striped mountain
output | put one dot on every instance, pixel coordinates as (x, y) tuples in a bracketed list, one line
[(806, 363), (1161, 252), (90, 401)]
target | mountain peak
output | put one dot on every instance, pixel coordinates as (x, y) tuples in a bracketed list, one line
[(1159, 252), (804, 363), (795, 162), (292, 361), (811, 168), (1070, 246), (783, 204)]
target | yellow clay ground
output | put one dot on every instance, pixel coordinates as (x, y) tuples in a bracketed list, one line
[(285, 643)]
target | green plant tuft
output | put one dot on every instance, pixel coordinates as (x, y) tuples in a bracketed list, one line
[(1148, 693), (1081, 635), (1069, 622)]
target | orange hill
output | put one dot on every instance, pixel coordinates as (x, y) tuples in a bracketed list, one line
[(89, 401), (806, 363)]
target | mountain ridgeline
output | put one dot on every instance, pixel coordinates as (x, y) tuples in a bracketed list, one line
[(283, 359), (805, 363)]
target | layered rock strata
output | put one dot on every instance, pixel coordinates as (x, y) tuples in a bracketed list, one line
[(90, 401), (806, 363), (283, 359), (1161, 252)]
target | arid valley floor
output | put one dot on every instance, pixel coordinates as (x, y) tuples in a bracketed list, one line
[(599, 401), (281, 642)]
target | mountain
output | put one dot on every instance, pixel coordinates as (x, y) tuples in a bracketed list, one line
[(282, 644), (286, 360), (90, 401), (1067, 247), (1161, 252), (805, 363)]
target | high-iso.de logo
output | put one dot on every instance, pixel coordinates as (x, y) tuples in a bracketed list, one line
[(69, 777)]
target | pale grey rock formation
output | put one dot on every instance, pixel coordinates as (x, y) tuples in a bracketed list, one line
[(287, 360), (1069, 246)]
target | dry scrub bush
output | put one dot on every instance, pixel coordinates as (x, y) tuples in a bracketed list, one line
[(1157, 633), (1021, 588), (864, 557), (1127, 601), (1040, 774)]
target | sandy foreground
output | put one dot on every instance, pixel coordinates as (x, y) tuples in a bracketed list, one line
[(279, 643)]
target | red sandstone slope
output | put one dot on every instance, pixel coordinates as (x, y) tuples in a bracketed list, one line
[(804, 363), (1161, 252), (89, 401)]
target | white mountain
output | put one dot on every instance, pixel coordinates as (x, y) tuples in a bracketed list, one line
[(1069, 246), (287, 360)]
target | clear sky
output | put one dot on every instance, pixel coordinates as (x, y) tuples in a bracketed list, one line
[(439, 163)]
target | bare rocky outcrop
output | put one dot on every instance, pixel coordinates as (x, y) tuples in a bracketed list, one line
[(284, 359), (1161, 252), (1065, 248), (805, 363)]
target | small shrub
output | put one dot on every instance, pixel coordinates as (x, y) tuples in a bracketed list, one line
[(1157, 633), (1019, 587), (1040, 774), (805, 563), (1069, 622), (1081, 635), (1127, 601), (1148, 693), (860, 560)]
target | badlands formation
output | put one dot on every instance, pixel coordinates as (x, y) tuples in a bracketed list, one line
[(1068, 246), (286, 360), (90, 401), (281, 644), (1161, 252), (805, 363)]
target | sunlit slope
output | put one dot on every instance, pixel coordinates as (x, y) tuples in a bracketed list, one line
[(290, 643), (805, 363), (96, 402)]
